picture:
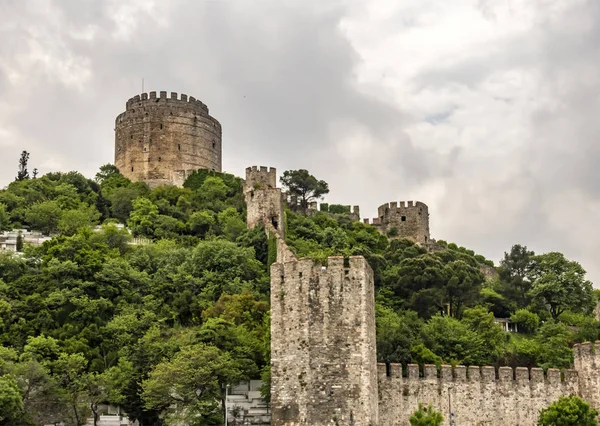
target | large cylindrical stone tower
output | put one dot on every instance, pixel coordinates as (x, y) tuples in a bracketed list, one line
[(161, 140)]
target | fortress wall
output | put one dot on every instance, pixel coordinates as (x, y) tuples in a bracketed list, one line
[(159, 139), (479, 396), (323, 343)]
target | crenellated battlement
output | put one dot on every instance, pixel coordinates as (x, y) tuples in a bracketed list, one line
[(411, 373), (163, 99), (401, 205), (260, 177)]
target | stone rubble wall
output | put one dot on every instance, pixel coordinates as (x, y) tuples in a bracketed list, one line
[(478, 396)]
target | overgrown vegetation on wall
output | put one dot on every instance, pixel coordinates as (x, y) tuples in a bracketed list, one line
[(91, 318)]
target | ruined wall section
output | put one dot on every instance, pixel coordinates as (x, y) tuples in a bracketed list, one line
[(162, 140), (264, 200), (408, 220), (478, 396), (323, 361)]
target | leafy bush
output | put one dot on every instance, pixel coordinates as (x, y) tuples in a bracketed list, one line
[(568, 411)]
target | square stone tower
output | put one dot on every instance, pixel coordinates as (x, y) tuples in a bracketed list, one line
[(323, 361)]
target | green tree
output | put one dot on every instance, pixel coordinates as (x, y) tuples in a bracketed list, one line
[(514, 272), (44, 216), (453, 341), (560, 284), (396, 334), (190, 387), (426, 417), (568, 411), (304, 186), (11, 403), (527, 321), (553, 349), (73, 220), (106, 171), (143, 217), (23, 174), (4, 218)]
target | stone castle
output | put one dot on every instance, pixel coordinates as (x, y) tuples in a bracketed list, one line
[(323, 338)]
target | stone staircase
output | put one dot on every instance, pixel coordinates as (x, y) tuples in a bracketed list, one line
[(245, 406)]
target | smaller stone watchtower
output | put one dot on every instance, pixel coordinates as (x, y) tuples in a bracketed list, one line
[(263, 198), (404, 219)]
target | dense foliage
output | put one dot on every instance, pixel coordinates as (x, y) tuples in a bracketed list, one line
[(160, 316)]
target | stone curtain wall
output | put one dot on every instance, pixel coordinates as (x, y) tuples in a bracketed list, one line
[(323, 363), (479, 396), (161, 140)]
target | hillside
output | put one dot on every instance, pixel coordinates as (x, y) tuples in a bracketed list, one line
[(89, 318)]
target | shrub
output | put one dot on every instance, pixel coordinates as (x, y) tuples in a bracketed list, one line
[(426, 417), (526, 321), (568, 411)]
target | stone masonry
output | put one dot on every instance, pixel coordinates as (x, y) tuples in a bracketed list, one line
[(263, 199), (162, 140), (403, 220)]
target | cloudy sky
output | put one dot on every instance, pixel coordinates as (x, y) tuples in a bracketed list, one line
[(486, 110)]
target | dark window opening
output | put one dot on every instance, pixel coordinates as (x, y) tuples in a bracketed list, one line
[(132, 168), (178, 147), (213, 145), (251, 195), (274, 222), (146, 114), (425, 238), (403, 218), (161, 126), (144, 148), (159, 158), (300, 275), (131, 136)]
